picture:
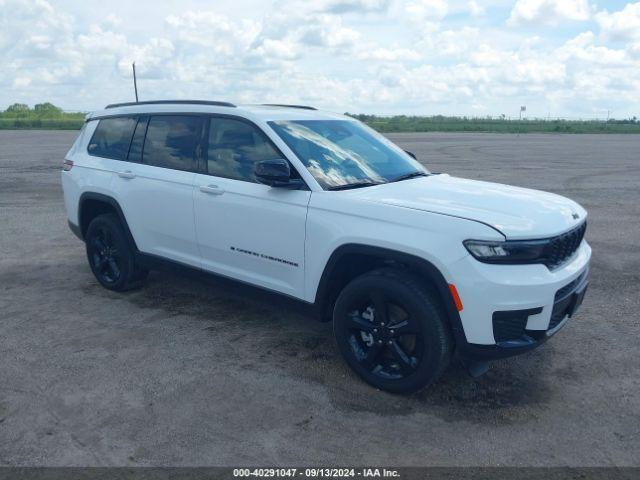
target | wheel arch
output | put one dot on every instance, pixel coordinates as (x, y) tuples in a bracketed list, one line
[(351, 260), (92, 204)]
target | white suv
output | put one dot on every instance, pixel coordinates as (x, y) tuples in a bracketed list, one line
[(412, 267)]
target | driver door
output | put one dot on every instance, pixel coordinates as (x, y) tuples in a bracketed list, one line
[(244, 229)]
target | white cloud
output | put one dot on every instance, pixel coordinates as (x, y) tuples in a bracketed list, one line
[(391, 55), (113, 20), (532, 72), (549, 12), (99, 42), (634, 50), (152, 59), (454, 43), (382, 56), (214, 31), (21, 81), (622, 25), (583, 48), (476, 9), (487, 56), (355, 6), (425, 11), (328, 31), (278, 49)]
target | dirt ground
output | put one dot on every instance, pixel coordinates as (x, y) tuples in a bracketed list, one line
[(199, 371)]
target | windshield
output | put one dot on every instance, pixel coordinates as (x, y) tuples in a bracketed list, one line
[(343, 153)]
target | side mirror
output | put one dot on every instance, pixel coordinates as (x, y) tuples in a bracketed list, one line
[(411, 154), (276, 173)]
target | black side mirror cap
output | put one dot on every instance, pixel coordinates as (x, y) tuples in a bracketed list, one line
[(411, 154), (276, 173)]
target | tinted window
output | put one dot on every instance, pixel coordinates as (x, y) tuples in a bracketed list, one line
[(112, 137), (171, 141), (135, 151), (235, 147)]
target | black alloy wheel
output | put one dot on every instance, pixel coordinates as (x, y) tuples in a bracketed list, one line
[(111, 256), (391, 330), (383, 336), (105, 257)]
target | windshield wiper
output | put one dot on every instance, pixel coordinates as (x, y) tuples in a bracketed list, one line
[(348, 186), (407, 176)]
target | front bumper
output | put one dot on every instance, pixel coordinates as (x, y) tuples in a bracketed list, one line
[(511, 309)]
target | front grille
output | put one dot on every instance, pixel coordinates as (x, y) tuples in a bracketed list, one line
[(562, 247)]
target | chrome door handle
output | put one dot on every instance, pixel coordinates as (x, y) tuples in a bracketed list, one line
[(126, 174), (212, 189)]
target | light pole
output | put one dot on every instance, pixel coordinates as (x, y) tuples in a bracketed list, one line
[(522, 109)]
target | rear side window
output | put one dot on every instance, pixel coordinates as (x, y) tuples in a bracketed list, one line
[(112, 137), (171, 142), (235, 147)]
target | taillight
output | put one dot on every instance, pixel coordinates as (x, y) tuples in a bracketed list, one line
[(67, 165)]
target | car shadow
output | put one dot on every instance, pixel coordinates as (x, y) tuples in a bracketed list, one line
[(286, 334)]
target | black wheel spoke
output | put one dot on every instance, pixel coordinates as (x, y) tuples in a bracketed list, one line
[(404, 327), (98, 244), (405, 361), (101, 263), (380, 306), (356, 322), (371, 355), (113, 268), (108, 240)]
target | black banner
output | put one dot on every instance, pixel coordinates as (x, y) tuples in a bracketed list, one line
[(405, 473)]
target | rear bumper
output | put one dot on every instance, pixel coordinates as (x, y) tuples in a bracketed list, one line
[(509, 310)]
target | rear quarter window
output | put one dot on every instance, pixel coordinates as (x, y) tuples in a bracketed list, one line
[(79, 141), (112, 137)]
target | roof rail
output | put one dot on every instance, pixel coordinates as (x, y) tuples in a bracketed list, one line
[(178, 102), (303, 107)]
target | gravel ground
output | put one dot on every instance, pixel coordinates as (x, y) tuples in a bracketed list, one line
[(199, 371)]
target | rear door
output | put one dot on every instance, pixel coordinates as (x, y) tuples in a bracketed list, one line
[(246, 230), (156, 185)]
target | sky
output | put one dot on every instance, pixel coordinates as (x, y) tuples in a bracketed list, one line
[(559, 58)]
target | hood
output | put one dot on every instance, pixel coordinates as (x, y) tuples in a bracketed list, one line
[(518, 213)]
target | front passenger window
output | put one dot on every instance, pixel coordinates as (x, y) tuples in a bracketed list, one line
[(235, 147)]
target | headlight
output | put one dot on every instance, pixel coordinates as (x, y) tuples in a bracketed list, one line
[(514, 251)]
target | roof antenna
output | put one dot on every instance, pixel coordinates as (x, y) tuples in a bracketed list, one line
[(135, 83)]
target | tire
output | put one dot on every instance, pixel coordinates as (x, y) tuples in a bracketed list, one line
[(110, 255), (406, 348)]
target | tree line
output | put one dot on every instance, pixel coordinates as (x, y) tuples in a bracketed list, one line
[(502, 124), (42, 115), (48, 116)]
